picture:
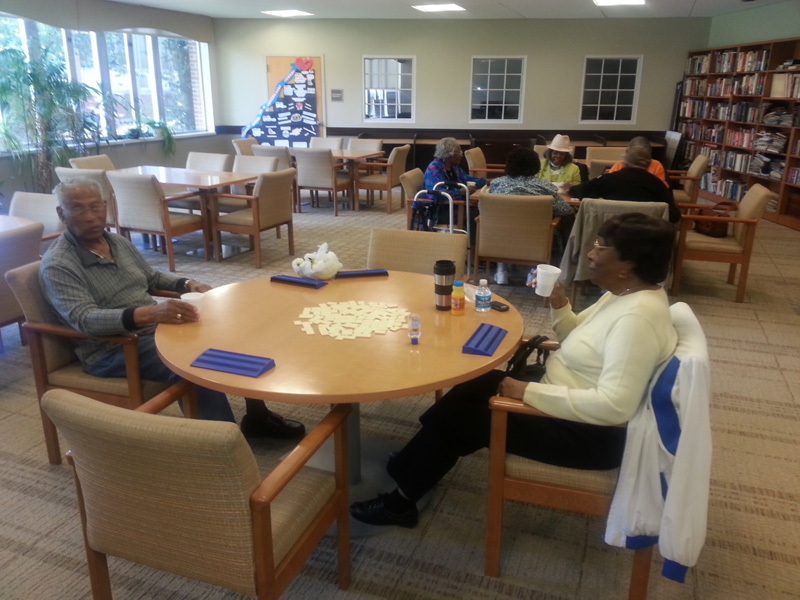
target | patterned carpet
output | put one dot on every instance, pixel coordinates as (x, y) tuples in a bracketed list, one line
[(753, 545)]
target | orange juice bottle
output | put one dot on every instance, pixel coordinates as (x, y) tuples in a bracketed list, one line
[(458, 301)]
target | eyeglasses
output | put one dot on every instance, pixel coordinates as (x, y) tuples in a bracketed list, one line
[(96, 208), (599, 246)]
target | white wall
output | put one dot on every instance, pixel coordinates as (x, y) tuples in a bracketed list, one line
[(443, 50)]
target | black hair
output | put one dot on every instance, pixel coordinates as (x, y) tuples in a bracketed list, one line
[(522, 161), (643, 240)]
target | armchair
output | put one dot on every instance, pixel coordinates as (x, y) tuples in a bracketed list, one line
[(735, 249), (55, 364), (185, 496), (415, 251), (476, 162), (412, 182), (641, 509), (382, 175), (244, 146), (690, 178), (317, 170), (19, 246), (97, 161), (40, 208)]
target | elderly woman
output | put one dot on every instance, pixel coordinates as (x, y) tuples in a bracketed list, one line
[(558, 166), (444, 168), (598, 378), (520, 179)]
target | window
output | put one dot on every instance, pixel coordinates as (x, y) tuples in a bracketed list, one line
[(136, 78), (610, 89), (497, 88), (388, 89)]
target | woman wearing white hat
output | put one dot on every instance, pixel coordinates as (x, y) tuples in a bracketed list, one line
[(557, 165)]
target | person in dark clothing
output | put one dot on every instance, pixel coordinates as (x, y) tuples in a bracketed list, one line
[(632, 182)]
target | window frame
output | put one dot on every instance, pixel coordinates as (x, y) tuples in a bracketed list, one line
[(521, 103), (364, 105), (637, 86)]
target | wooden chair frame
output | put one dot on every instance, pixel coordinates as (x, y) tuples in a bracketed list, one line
[(379, 166), (503, 487), (271, 579)]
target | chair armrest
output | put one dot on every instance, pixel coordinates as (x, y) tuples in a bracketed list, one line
[(373, 161), (51, 236), (181, 196), (500, 166), (235, 196), (676, 172), (283, 473), (372, 167), (69, 332), (162, 400), (717, 219), (487, 170), (684, 178), (513, 405)]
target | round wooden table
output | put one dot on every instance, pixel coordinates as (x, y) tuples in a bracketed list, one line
[(257, 317)]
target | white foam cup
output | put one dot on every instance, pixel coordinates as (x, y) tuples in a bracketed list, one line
[(194, 298), (546, 277)]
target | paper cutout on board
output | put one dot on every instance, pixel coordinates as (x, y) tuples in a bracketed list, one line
[(290, 116)]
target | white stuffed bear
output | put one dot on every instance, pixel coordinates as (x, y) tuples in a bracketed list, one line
[(321, 264)]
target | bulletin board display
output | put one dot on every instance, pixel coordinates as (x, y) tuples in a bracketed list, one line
[(292, 113)]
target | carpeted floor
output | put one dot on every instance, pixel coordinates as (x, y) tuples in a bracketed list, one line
[(753, 545)]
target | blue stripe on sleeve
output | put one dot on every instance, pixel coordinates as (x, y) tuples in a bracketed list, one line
[(669, 427)]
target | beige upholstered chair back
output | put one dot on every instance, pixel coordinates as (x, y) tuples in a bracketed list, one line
[(397, 159), (254, 164), (18, 246), (598, 166), (415, 251), (516, 227), (244, 146), (282, 153), (613, 153), (274, 193), (475, 158), (696, 169), (24, 282), (99, 161), (40, 208), (162, 491), (412, 182), (208, 161), (99, 177), (540, 149), (314, 167), (364, 145), (593, 212), (139, 201), (751, 206), (331, 143)]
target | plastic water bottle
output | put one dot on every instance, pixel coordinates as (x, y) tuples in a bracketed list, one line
[(458, 301), (414, 330), (483, 297)]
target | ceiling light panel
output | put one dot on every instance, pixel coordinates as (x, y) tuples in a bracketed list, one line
[(438, 7), (619, 2), (287, 13)]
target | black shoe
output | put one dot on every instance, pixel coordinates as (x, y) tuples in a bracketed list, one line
[(374, 512), (271, 425)]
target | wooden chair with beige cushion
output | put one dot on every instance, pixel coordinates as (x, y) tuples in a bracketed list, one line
[(209, 161), (681, 385), (592, 213), (40, 208), (415, 251), (735, 249), (106, 191), (285, 161), (690, 180), (382, 175), (253, 165), (330, 143), (412, 182), (185, 496), (244, 146), (55, 364), (515, 229), (478, 167), (598, 159), (98, 161), (269, 207), (143, 207), (18, 246), (365, 145), (318, 171)]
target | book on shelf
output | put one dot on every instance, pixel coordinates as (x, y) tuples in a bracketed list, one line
[(777, 88)]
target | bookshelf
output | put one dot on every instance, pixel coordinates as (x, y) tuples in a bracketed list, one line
[(740, 106)]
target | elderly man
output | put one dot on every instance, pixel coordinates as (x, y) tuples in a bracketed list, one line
[(99, 284), (632, 182)]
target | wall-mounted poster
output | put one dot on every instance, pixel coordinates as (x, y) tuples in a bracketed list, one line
[(291, 115)]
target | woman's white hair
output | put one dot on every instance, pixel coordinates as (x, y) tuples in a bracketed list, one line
[(446, 148)]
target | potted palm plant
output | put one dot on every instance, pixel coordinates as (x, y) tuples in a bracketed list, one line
[(46, 117)]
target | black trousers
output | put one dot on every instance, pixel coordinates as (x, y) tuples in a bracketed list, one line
[(459, 425)]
